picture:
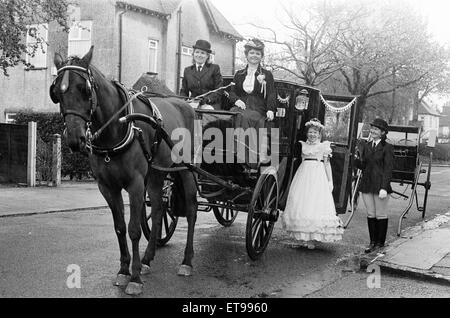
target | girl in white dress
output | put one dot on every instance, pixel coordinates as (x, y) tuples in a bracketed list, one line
[(310, 214)]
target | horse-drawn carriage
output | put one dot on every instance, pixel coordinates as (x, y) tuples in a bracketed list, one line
[(227, 188)]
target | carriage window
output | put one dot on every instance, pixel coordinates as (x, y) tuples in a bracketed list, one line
[(152, 56), (80, 36), (37, 37), (337, 123)]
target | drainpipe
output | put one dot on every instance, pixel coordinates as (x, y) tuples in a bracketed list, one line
[(178, 74), (120, 44)]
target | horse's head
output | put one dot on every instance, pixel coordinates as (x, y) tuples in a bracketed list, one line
[(74, 90)]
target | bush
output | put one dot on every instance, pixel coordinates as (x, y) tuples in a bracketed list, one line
[(441, 152), (48, 124)]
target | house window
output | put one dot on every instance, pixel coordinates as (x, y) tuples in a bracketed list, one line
[(80, 38), (10, 118), (153, 56), (37, 36)]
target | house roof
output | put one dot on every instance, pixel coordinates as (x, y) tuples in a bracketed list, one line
[(217, 22), (426, 109), (163, 8), (158, 7)]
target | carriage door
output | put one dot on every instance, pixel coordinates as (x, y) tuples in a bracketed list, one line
[(340, 129)]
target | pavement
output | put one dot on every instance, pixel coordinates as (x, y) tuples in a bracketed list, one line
[(69, 196), (422, 250)]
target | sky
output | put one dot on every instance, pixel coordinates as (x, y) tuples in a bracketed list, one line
[(240, 12)]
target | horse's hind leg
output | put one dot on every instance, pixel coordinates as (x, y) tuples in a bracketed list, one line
[(190, 191), (115, 202)]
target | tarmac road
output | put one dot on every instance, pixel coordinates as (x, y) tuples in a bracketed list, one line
[(36, 251)]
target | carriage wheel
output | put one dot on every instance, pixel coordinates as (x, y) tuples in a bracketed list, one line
[(169, 220), (262, 213), (225, 215)]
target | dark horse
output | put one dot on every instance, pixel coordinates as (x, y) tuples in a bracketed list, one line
[(87, 101)]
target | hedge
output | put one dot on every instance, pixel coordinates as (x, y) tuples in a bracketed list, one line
[(48, 124), (441, 153)]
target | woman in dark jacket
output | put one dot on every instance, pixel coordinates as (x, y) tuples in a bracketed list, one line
[(202, 76), (376, 159), (253, 94)]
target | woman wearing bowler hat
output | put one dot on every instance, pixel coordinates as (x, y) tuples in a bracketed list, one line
[(376, 159), (202, 76)]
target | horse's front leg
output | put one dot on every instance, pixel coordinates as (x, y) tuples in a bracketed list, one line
[(136, 195), (191, 205), (155, 193), (115, 202)]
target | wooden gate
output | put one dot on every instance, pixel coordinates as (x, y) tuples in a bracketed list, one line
[(13, 153)]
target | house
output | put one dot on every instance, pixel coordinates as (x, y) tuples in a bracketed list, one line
[(444, 122), (429, 116), (130, 38)]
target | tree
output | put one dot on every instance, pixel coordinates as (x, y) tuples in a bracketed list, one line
[(384, 50), (15, 17), (307, 36)]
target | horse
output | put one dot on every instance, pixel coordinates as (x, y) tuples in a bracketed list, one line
[(88, 103)]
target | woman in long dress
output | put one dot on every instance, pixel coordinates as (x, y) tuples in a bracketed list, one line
[(310, 214)]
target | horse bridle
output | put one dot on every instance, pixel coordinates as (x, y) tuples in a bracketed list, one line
[(84, 73)]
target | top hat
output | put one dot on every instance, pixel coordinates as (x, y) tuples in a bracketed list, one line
[(203, 45), (255, 44), (381, 124)]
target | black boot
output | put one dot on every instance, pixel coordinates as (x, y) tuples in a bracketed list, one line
[(372, 223), (382, 226)]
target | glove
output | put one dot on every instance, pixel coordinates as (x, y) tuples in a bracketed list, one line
[(240, 104), (382, 194), (330, 185), (270, 115)]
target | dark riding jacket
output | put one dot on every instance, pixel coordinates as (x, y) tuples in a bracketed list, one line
[(198, 83), (376, 165), (255, 100)]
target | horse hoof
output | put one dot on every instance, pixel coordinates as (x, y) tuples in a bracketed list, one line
[(134, 288), (122, 280), (145, 270), (185, 270)]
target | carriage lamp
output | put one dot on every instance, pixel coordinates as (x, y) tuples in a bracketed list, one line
[(301, 101)]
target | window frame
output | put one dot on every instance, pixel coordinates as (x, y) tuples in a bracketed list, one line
[(155, 62)]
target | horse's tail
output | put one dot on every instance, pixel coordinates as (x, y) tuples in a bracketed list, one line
[(179, 208)]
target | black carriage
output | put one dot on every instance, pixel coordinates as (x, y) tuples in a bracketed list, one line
[(229, 188)]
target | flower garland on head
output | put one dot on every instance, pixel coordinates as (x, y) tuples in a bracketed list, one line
[(316, 123)]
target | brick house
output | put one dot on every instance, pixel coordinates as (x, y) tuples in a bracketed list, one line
[(130, 38)]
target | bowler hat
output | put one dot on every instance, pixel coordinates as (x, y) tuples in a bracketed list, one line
[(203, 45), (381, 124)]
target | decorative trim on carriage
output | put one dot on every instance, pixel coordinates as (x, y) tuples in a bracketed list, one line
[(337, 109), (284, 100)]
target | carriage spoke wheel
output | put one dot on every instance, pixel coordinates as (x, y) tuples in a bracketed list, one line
[(262, 214), (225, 215), (169, 220)]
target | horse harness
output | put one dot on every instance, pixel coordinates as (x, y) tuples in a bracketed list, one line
[(128, 96)]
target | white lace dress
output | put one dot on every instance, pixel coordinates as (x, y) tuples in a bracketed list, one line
[(310, 213)]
